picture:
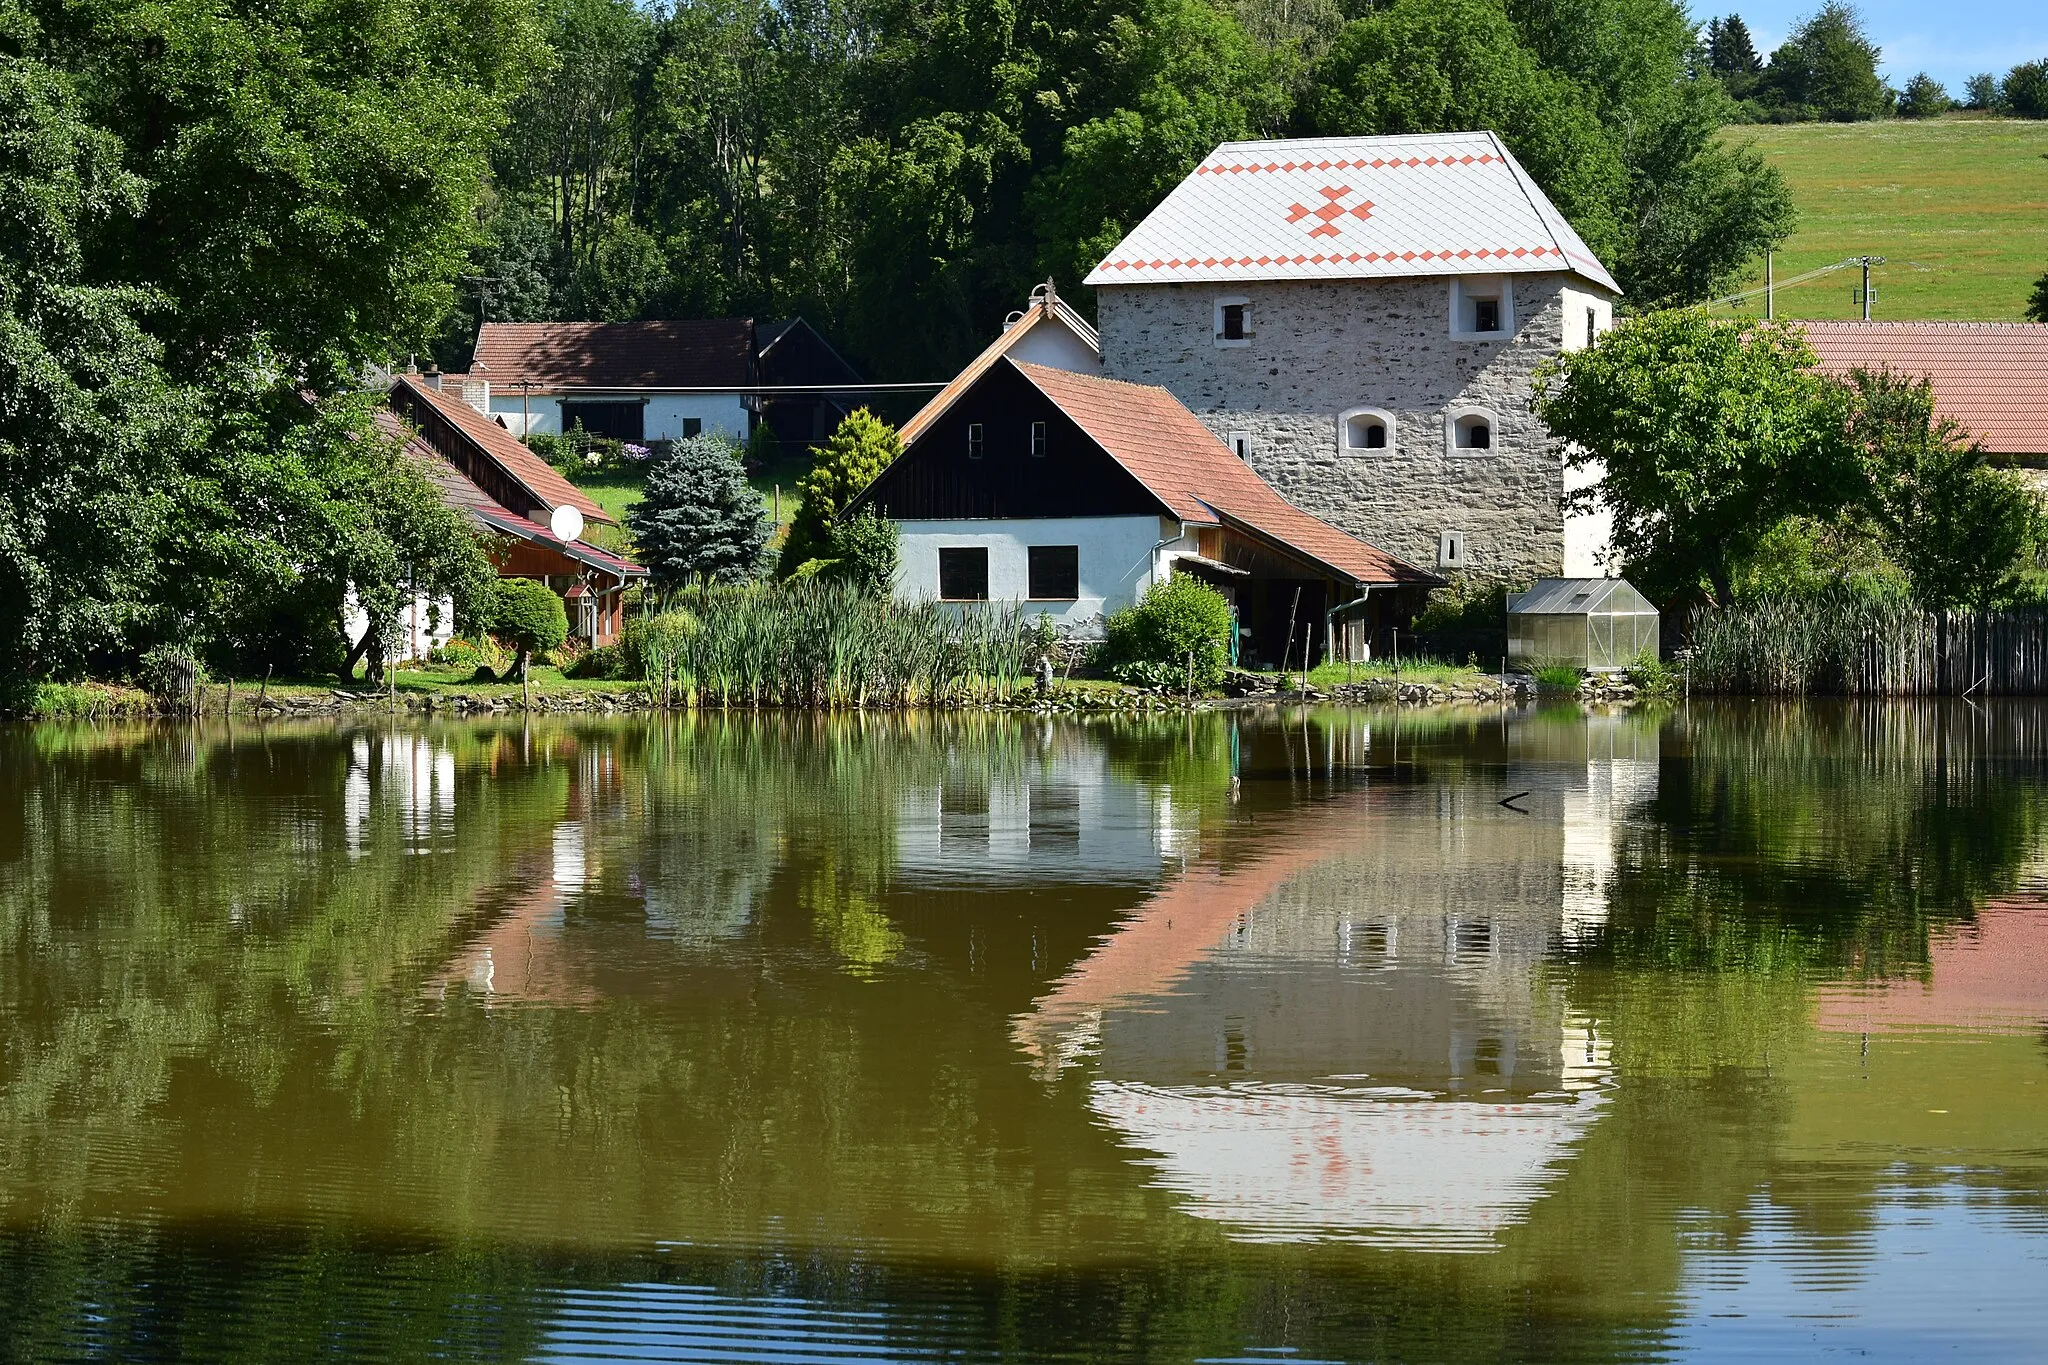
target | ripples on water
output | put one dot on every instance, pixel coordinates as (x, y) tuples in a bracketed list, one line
[(974, 1038)]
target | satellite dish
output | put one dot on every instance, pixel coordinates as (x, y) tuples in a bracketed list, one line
[(566, 522)]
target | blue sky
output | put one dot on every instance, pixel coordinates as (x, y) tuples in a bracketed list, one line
[(1950, 41)]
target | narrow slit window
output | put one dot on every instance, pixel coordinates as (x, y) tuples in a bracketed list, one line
[(1592, 325), (974, 440), (963, 573), (1038, 439)]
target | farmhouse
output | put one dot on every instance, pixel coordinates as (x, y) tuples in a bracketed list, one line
[(1358, 319), (1072, 494), (532, 516), (660, 381), (1989, 377)]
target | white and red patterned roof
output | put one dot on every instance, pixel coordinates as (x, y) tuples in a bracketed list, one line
[(1339, 208)]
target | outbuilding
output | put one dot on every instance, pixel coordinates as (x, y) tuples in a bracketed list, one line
[(1601, 624)]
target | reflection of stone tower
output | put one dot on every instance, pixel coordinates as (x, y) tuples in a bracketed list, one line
[(1621, 778)]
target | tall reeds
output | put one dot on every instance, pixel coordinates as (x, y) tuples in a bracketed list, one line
[(1849, 643), (812, 644)]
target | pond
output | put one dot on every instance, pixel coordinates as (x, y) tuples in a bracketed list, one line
[(1337, 1035)]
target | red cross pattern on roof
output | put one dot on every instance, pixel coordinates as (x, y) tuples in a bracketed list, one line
[(1329, 211)]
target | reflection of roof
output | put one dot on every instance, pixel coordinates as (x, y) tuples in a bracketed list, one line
[(1990, 975), (1351, 208), (697, 353), (1991, 377), (1335, 1163), (499, 446), (1047, 310), (458, 491), (1165, 447)]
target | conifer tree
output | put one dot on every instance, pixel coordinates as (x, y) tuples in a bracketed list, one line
[(862, 447), (701, 521)]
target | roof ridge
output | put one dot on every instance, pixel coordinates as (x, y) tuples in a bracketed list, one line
[(1095, 378), (1955, 323)]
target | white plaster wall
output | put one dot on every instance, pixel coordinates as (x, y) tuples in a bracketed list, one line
[(1588, 535), (1119, 558), (1050, 344), (422, 631), (663, 421), (1319, 349)]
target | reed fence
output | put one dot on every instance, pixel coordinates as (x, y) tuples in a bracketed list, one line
[(1862, 647)]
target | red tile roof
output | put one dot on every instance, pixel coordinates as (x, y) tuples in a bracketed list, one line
[(1992, 377), (1046, 309), (459, 492), (553, 356), (1165, 447), (507, 451)]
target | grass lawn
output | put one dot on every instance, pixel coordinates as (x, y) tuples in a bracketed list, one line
[(1416, 670), (1958, 207)]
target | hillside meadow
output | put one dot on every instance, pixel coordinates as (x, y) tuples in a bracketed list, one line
[(1958, 207)]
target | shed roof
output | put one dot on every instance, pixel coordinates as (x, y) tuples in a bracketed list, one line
[(1990, 377), (458, 491), (1352, 208), (1196, 477), (675, 353), (1579, 597)]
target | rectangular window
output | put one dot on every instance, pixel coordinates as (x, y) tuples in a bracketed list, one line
[(692, 427), (1240, 443), (1233, 322), (1055, 572), (963, 574), (974, 442), (1592, 325), (1038, 439), (1486, 315)]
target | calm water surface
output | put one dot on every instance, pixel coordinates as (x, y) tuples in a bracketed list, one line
[(1275, 1039)]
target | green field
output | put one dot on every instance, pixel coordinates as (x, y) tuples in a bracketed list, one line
[(1958, 208)]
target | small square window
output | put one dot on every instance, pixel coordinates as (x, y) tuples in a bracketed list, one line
[(1038, 439), (1368, 429), (1055, 572), (1486, 315), (1471, 429), (1240, 443), (1482, 306), (963, 573), (692, 427), (1233, 319), (1233, 322), (974, 440)]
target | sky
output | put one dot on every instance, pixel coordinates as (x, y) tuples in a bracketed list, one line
[(1950, 40)]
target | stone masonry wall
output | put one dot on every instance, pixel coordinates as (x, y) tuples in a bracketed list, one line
[(1319, 349)]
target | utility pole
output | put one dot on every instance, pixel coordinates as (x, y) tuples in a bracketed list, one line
[(1867, 262)]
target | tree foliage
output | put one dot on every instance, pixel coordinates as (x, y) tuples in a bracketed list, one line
[(700, 521), (862, 447), (2024, 91), (1180, 624), (1924, 97), (2037, 302), (1710, 433), (528, 615), (865, 553), (1826, 70)]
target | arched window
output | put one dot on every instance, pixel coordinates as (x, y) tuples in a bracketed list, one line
[(1470, 429), (1365, 429)]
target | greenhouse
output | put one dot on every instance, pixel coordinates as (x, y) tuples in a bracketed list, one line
[(1602, 624)]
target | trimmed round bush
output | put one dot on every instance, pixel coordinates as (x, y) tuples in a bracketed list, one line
[(1149, 644), (530, 617)]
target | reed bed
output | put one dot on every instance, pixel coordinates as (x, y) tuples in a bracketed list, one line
[(1855, 644), (826, 645)]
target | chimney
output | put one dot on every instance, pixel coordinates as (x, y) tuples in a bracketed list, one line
[(476, 388)]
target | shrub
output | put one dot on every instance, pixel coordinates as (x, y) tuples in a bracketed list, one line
[(864, 550), (530, 617), (1179, 616), (862, 447), (1651, 676), (468, 654), (606, 661), (1555, 677)]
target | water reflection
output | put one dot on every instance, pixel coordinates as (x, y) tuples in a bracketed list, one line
[(881, 1037)]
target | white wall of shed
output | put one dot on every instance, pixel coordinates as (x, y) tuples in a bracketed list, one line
[(663, 421), (419, 638), (1119, 558), (1588, 535)]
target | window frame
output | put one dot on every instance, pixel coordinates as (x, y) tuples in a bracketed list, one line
[(1244, 304), (1451, 551), (1350, 415), (1031, 571), (1475, 289), (1460, 413), (977, 440), (1041, 439), (1240, 444), (944, 551)]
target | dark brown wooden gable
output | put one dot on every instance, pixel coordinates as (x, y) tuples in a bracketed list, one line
[(935, 479)]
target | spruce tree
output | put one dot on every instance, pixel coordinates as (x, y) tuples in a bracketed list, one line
[(1732, 56), (701, 521)]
